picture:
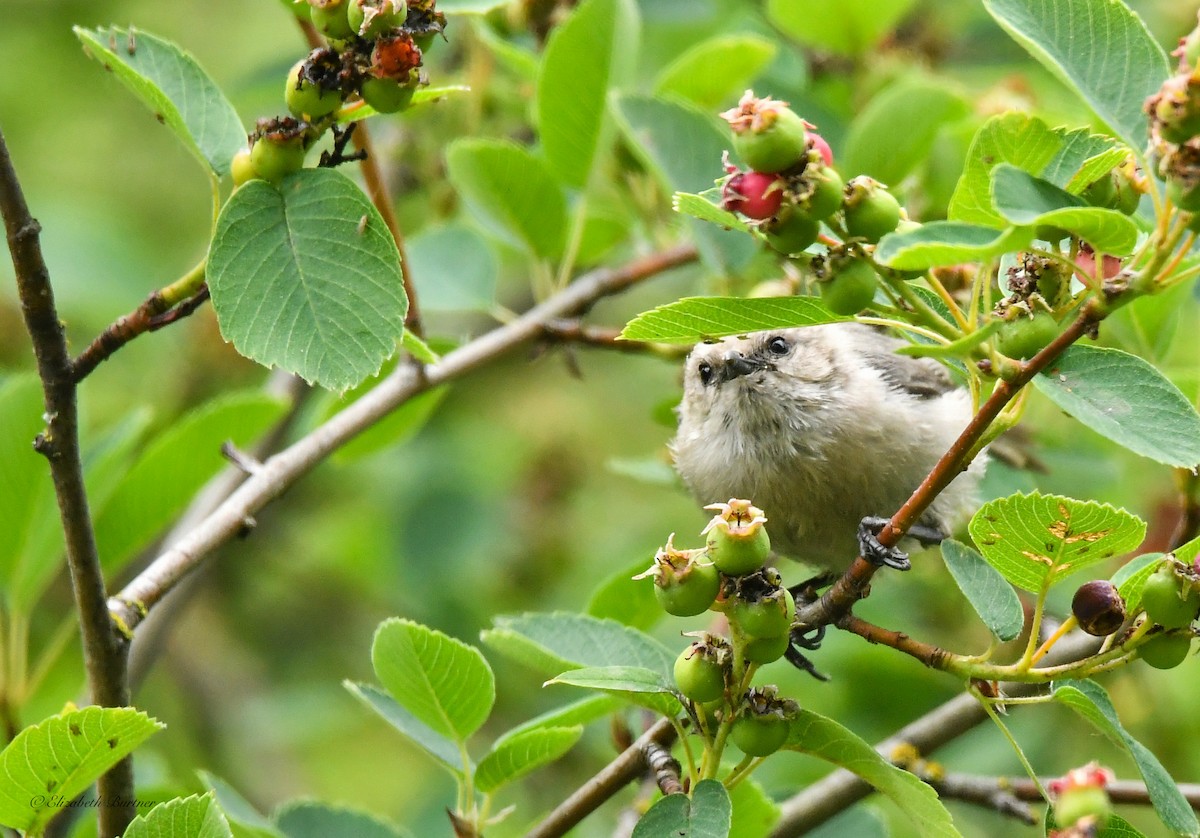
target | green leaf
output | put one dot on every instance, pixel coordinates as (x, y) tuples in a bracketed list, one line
[(435, 744), (740, 56), (61, 756), (557, 641), (1027, 200), (522, 753), (947, 243), (834, 26), (1131, 578), (445, 683), (922, 105), (1127, 400), (993, 599), (590, 52), (173, 467), (454, 268), (1089, 699), (618, 679), (25, 485), (246, 821), (197, 816), (178, 91), (418, 348), (1022, 140), (706, 814), (313, 819), (299, 281), (694, 319), (754, 812), (825, 739), (697, 206), (1098, 48), (1115, 827), (627, 600), (576, 713), (682, 145), (1035, 540), (512, 192)]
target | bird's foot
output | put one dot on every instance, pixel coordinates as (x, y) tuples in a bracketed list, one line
[(874, 552)]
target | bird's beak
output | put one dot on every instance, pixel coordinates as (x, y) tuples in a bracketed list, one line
[(735, 365)]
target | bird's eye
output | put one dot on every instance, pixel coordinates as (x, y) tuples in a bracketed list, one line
[(706, 372), (778, 346)]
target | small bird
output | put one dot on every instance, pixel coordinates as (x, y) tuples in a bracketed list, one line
[(821, 427)]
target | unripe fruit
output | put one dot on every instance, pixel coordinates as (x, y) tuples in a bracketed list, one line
[(241, 168), (1075, 804), (700, 673), (371, 18), (1184, 194), (766, 649), (791, 233), (1098, 608), (1175, 109), (1024, 337), (329, 16), (683, 584), (737, 542), (307, 99), (825, 193), (759, 736), (755, 195), (1164, 600), (1166, 651), (387, 95), (769, 616), (871, 211), (1101, 192), (851, 287), (274, 159), (767, 135)]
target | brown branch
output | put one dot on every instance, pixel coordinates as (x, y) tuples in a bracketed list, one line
[(855, 582), (841, 789), (105, 650), (163, 307), (1189, 508), (988, 791), (932, 656), (280, 471), (627, 767)]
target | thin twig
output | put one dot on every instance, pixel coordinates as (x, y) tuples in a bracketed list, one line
[(626, 768), (105, 650), (163, 307), (285, 468), (1001, 792)]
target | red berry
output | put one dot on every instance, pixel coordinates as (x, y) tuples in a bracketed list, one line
[(754, 194), (816, 141)]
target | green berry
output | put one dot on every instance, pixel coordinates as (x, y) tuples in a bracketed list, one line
[(791, 233), (851, 288), (1166, 651), (769, 616), (759, 736), (274, 159), (688, 592), (1186, 196), (1164, 600), (700, 672), (241, 168), (766, 649), (767, 134), (387, 95), (305, 98), (329, 16), (1075, 804), (871, 212), (371, 18), (825, 195), (1024, 336)]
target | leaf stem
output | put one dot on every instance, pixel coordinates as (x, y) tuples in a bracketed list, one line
[(1024, 760)]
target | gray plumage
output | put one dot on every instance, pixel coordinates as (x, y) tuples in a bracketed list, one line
[(820, 426)]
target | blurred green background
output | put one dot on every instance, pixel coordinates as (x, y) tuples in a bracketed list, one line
[(512, 497)]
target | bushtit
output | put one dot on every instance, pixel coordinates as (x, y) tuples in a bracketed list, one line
[(821, 426)]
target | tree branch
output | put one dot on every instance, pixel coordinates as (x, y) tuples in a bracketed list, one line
[(627, 767), (279, 472), (1004, 793), (104, 649)]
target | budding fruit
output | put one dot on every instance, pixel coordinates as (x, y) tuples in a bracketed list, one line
[(1098, 608), (871, 211), (767, 135), (684, 583), (387, 95), (241, 168), (700, 669), (1026, 335), (755, 195), (766, 649), (1175, 109), (1166, 651), (1170, 596), (763, 721), (329, 16), (307, 93), (791, 232), (760, 607), (819, 193), (274, 159), (845, 279), (1080, 798), (737, 542), (371, 18), (1184, 194)]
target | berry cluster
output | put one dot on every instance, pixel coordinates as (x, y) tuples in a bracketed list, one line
[(1170, 599), (1175, 128), (792, 188), (713, 674), (374, 55)]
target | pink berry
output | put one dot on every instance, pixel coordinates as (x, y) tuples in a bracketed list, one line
[(1086, 261), (754, 194), (818, 142)]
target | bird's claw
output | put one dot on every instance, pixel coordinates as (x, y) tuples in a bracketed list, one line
[(873, 551)]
